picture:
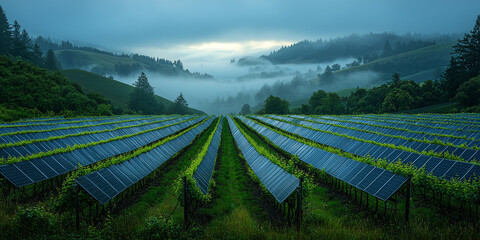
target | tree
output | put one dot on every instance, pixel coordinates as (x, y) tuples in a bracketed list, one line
[(305, 109), (317, 99), (327, 76), (37, 58), (5, 34), (397, 100), (465, 64), (332, 104), (430, 92), (51, 62), (276, 105), (335, 67), (356, 101), (22, 43), (180, 100), (387, 49), (469, 92), (245, 109), (178, 64), (142, 99), (395, 79), (179, 106)]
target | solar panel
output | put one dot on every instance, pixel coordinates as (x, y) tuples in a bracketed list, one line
[(385, 192), (418, 160), (37, 172), (357, 174), (107, 183), (204, 170), (277, 181)]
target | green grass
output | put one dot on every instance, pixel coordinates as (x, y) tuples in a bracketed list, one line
[(115, 91)]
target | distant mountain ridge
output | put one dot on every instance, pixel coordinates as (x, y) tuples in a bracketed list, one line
[(366, 48), (107, 63)]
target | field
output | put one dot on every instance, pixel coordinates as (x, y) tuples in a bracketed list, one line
[(392, 176)]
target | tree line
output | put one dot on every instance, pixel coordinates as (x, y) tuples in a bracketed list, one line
[(366, 48), (17, 43)]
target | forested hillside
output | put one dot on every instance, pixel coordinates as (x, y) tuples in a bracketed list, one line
[(365, 48), (29, 91)]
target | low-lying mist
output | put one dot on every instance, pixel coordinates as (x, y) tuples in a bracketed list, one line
[(235, 85)]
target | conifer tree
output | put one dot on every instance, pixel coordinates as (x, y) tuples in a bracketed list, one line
[(51, 62), (5, 34), (465, 64), (142, 99)]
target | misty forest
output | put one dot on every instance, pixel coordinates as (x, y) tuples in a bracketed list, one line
[(239, 120)]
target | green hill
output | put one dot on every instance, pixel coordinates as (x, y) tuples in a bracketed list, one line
[(105, 63), (71, 58), (115, 91), (418, 65)]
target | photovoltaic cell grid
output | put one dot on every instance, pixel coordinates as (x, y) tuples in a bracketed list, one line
[(47, 131), (467, 154), (34, 125), (442, 121), (459, 132), (204, 171), (375, 181), (278, 182), (49, 145), (456, 169), (362, 125), (105, 184), (39, 169)]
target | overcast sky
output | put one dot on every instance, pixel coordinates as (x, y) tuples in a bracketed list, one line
[(193, 29)]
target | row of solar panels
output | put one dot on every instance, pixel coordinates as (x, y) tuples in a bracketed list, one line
[(59, 124), (39, 169), (468, 118), (412, 127), (278, 182), (41, 119), (439, 167), (471, 118), (49, 145), (204, 171), (108, 182), (467, 154), (406, 134), (375, 181), (432, 123), (80, 129), (34, 122)]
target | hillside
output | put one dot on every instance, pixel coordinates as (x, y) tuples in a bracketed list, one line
[(115, 91), (105, 63), (418, 65), (366, 48), (30, 91)]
